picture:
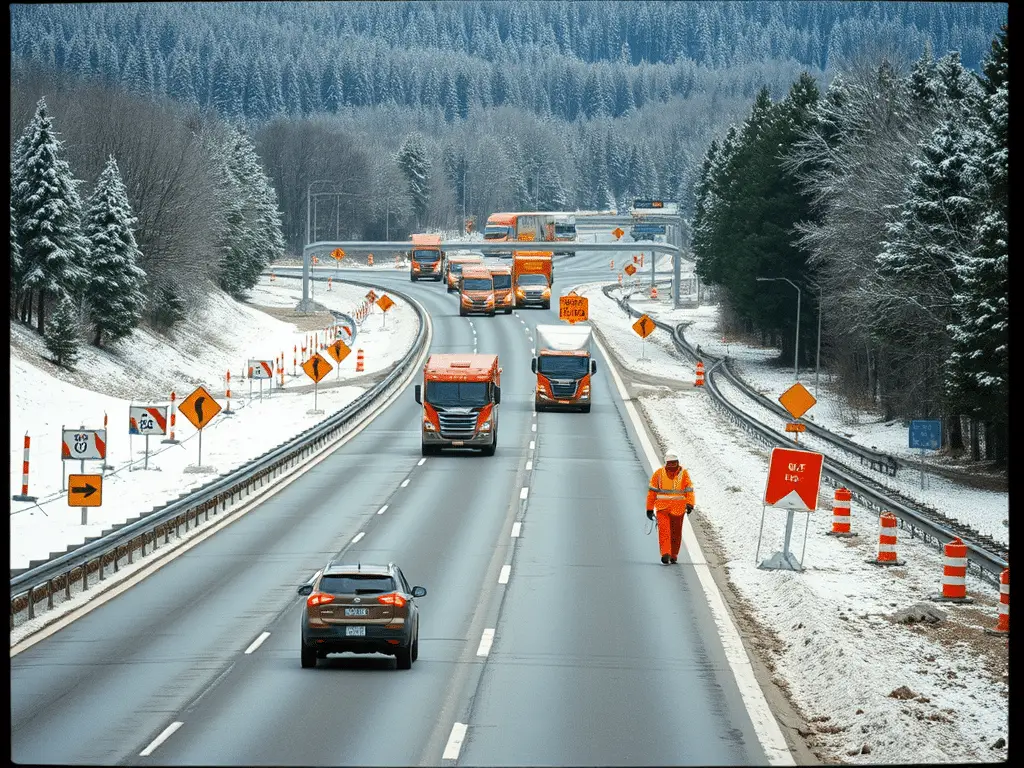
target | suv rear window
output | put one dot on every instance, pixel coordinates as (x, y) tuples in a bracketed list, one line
[(357, 584)]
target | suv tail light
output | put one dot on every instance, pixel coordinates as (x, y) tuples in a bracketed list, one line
[(392, 598), (319, 598)]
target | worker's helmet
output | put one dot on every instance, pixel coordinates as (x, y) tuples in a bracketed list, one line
[(671, 455)]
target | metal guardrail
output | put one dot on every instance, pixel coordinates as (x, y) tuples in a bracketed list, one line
[(987, 564), (45, 581)]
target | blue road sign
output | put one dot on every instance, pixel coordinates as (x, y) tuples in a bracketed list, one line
[(926, 433), (649, 229)]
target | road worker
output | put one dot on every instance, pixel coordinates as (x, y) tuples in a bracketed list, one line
[(670, 496)]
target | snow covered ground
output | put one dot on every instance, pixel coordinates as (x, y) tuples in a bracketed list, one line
[(143, 371), (871, 689)]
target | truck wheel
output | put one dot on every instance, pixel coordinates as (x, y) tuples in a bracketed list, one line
[(585, 408), (489, 450), (508, 311), (461, 313), (429, 450), (490, 314), (547, 305)]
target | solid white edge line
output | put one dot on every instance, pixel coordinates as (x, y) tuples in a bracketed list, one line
[(485, 642), (257, 642), (405, 482), (454, 745), (765, 725), (382, 509), (160, 739), (516, 528), (506, 571), (358, 536), (532, 445), (420, 462), (523, 492), (529, 465)]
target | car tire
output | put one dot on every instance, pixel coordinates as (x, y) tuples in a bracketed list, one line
[(308, 656), (508, 311), (404, 657), (416, 644)]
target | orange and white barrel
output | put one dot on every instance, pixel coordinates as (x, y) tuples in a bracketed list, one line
[(359, 360), (700, 375), (887, 540), (841, 512), (954, 570)]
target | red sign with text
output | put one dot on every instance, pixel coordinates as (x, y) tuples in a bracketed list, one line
[(793, 479)]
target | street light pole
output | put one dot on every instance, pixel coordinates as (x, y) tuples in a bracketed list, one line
[(817, 356), (796, 347)]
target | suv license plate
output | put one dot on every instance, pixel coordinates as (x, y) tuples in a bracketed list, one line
[(357, 611), (355, 631), (457, 443)]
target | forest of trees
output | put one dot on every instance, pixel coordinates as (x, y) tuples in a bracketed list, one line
[(802, 140)]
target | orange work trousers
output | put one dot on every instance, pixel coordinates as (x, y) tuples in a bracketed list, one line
[(670, 533)]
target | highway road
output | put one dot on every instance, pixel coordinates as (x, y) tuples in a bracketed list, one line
[(600, 655)]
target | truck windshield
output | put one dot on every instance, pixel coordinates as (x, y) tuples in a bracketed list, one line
[(565, 230), (449, 394), (494, 232), (502, 282), (455, 268), (563, 365), (477, 284), (428, 256), (534, 278)]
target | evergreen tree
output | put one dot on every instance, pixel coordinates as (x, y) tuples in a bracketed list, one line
[(48, 212), (15, 265), (415, 167), (61, 333), (115, 281)]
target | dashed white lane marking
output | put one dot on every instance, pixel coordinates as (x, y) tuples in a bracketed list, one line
[(160, 739), (485, 642), (533, 351), (532, 444), (454, 745), (506, 570), (358, 536), (420, 462), (531, 339), (405, 482), (474, 331), (257, 642), (523, 493), (529, 465), (533, 427), (381, 510), (516, 528)]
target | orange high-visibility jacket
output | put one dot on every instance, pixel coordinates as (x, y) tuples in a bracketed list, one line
[(668, 494)]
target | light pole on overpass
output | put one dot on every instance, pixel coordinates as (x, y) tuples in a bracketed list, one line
[(796, 349)]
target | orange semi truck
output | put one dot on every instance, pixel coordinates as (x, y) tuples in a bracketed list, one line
[(563, 366), (532, 275), (460, 395), (426, 258)]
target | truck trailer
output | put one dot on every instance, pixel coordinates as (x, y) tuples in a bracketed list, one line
[(563, 366)]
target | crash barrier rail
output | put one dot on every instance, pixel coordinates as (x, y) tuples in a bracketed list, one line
[(44, 582), (987, 561)]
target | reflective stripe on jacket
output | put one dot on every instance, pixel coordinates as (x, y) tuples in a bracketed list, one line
[(670, 494)]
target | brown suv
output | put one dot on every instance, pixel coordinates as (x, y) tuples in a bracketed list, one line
[(360, 608)]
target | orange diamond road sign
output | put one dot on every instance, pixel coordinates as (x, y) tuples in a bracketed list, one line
[(338, 254), (797, 400), (199, 408), (85, 490), (385, 302), (573, 308), (371, 296), (317, 367), (339, 350), (644, 326), (629, 269), (618, 232), (793, 479)]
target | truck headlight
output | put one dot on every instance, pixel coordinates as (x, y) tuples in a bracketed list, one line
[(429, 426), (486, 426)]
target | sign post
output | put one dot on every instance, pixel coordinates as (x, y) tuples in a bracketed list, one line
[(793, 480), (798, 401), (339, 350), (385, 303), (644, 327), (925, 434), (573, 308), (81, 445), (316, 368), (85, 491), (200, 408), (147, 420)]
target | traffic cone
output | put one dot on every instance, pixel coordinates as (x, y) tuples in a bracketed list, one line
[(611, 265), (887, 541), (1003, 627), (369, 260), (273, 277), (359, 360), (330, 280), (954, 573), (700, 375), (841, 513), (654, 292)]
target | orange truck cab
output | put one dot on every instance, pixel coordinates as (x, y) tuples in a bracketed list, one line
[(426, 258), (460, 395), (500, 228), (563, 365), (476, 290), (453, 269), (504, 299), (532, 275)]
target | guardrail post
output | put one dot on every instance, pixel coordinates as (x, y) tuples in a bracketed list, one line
[(49, 593), (31, 603), (130, 549), (67, 585), (101, 568), (85, 576)]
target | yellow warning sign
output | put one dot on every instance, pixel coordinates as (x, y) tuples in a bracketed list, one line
[(618, 232), (644, 326), (629, 269), (317, 367), (339, 350), (338, 254), (385, 302), (199, 408), (85, 490), (797, 400)]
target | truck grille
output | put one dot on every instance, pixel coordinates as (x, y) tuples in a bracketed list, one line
[(457, 426), (563, 388)]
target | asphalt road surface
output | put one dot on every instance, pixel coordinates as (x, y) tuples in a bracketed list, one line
[(569, 644)]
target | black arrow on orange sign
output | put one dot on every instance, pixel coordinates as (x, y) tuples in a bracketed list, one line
[(199, 407), (643, 325), (316, 368), (86, 490)]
